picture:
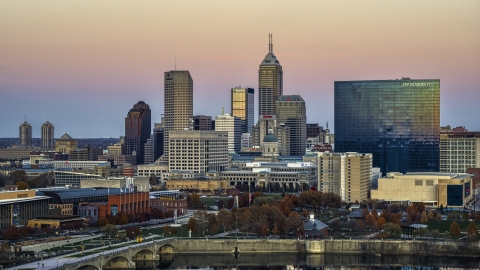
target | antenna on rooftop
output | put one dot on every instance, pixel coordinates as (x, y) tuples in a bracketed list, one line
[(270, 45)]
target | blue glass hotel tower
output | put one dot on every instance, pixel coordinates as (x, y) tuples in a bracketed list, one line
[(398, 121)]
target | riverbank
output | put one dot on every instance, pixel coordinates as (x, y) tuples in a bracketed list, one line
[(327, 246)]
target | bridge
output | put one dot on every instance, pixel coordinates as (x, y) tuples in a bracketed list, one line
[(125, 257)]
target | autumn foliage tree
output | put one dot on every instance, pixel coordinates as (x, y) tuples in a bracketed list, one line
[(454, 229)]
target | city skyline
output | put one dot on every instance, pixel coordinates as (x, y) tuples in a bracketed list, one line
[(70, 71)]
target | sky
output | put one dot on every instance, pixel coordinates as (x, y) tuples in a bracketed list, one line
[(83, 64)]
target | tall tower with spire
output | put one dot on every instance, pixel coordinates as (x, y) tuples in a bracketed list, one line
[(270, 82)]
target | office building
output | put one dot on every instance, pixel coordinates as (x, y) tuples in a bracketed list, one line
[(65, 144), (459, 150), (48, 141), (86, 153), (243, 106), (115, 149), (314, 131), (203, 122), (198, 151), (291, 112), (345, 174), (432, 189), (25, 131), (178, 100), (397, 121), (270, 83), (138, 125), (233, 126), (246, 140)]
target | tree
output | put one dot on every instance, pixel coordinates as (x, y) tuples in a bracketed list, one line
[(11, 233), (110, 230), (213, 229), (424, 218), (420, 231), (132, 232), (365, 212), (201, 218), (224, 219), (360, 226), (195, 199), (454, 229), (472, 228), (393, 230), (23, 185), (18, 176), (380, 222), (294, 222), (370, 220), (102, 222), (192, 225), (174, 231), (435, 233), (166, 230)]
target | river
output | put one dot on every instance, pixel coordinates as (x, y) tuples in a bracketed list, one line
[(307, 261)]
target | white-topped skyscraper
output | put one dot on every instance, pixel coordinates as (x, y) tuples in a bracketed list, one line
[(270, 82), (48, 141)]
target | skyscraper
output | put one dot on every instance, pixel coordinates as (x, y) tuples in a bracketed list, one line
[(25, 131), (243, 107), (48, 141), (270, 83), (137, 131), (233, 126), (398, 121), (178, 99), (291, 112)]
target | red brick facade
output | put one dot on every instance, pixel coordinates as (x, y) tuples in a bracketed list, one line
[(170, 204)]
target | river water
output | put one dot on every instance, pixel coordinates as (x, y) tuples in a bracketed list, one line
[(304, 261)]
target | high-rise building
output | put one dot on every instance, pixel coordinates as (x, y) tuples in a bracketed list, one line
[(291, 111), (48, 141), (270, 83), (154, 145), (137, 131), (459, 150), (203, 122), (233, 126), (178, 100), (158, 141), (345, 174), (243, 107), (397, 121), (198, 151), (25, 131)]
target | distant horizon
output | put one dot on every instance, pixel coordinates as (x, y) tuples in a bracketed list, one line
[(82, 66)]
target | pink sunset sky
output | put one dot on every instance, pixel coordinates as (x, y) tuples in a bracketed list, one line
[(83, 64)]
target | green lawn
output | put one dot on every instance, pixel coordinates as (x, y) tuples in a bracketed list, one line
[(443, 226)]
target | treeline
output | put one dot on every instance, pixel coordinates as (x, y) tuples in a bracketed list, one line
[(20, 178), (266, 215)]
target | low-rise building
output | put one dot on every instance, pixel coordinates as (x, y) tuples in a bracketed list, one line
[(169, 201), (20, 206), (433, 189)]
